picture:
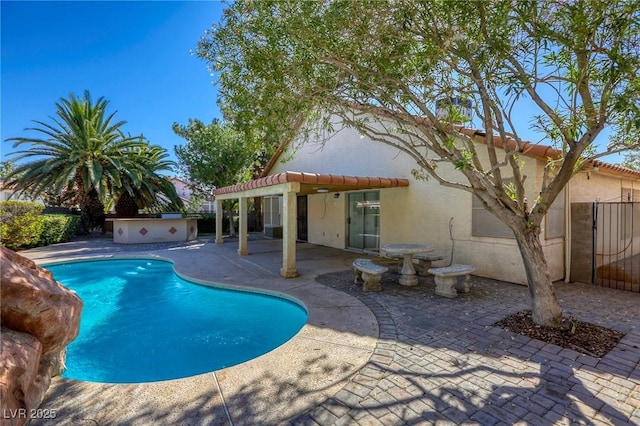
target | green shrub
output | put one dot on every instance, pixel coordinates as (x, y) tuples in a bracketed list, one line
[(207, 223), (58, 228), (20, 224)]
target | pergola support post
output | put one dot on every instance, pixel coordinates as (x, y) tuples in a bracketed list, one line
[(219, 215), (243, 244), (289, 215)]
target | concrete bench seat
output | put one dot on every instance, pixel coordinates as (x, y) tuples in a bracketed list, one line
[(368, 274), (451, 280), (422, 259)]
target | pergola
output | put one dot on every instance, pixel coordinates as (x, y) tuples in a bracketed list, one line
[(290, 185)]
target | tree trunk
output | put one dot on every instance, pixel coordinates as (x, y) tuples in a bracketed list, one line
[(126, 206), (91, 212), (257, 208), (544, 304), (232, 229)]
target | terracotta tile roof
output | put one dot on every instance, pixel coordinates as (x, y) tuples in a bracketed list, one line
[(337, 182), (529, 149), (613, 168), (545, 152)]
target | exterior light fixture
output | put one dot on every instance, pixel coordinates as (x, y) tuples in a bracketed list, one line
[(322, 190)]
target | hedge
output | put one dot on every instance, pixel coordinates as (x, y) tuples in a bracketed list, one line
[(20, 224), (23, 226), (58, 228), (207, 223)]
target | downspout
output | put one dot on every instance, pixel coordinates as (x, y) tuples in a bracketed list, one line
[(567, 233)]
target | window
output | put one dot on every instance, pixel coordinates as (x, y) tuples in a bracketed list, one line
[(272, 207), (485, 224), (555, 218)]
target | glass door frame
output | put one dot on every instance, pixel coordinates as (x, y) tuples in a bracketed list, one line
[(363, 221)]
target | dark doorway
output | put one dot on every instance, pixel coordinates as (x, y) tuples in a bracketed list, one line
[(302, 218)]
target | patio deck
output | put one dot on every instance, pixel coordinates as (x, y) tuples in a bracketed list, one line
[(401, 356)]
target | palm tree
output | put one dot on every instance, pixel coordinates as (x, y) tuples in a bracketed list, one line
[(84, 152), (142, 187)]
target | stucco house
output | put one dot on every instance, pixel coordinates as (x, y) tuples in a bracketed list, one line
[(185, 193), (9, 194), (343, 190)]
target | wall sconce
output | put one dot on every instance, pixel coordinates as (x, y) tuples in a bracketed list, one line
[(593, 169), (336, 195), (322, 190)]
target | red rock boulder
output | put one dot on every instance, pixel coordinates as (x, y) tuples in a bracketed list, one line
[(39, 317)]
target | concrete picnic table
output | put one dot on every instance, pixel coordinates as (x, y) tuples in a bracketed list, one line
[(408, 276)]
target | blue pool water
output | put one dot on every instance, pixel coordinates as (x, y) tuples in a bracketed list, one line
[(142, 323)]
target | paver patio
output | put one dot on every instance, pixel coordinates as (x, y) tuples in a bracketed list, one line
[(424, 359)]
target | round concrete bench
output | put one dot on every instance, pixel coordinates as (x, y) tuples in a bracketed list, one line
[(451, 280), (368, 274), (424, 261)]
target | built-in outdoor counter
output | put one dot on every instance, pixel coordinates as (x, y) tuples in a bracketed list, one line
[(154, 230)]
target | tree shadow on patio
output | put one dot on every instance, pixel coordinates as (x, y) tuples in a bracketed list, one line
[(442, 359)]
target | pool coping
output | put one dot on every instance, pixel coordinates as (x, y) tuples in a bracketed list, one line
[(338, 339)]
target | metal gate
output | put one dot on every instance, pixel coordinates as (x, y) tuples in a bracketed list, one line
[(616, 245)]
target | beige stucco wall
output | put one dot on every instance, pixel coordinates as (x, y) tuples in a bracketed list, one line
[(589, 187), (422, 212), (326, 220)]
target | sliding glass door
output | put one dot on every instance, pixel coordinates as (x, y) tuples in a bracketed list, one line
[(364, 220)]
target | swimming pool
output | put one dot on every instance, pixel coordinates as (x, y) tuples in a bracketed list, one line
[(142, 323)]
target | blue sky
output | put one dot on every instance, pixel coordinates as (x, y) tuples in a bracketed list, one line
[(135, 54)]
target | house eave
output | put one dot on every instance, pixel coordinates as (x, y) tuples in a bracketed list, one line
[(307, 183)]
